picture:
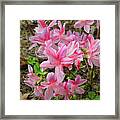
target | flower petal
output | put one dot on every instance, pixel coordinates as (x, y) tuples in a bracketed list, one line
[(77, 63), (89, 22), (48, 93), (90, 62), (67, 60), (32, 46), (79, 24), (51, 77), (79, 90), (87, 28), (52, 23), (62, 52), (59, 73), (42, 23), (96, 61), (30, 69), (79, 81), (38, 91), (46, 64)]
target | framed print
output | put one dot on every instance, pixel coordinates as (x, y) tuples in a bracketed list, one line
[(60, 59)]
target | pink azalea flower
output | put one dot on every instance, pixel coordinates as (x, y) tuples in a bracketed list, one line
[(50, 85), (84, 23), (58, 35), (32, 78), (75, 85), (57, 59), (42, 35), (75, 53), (93, 51), (64, 90), (67, 88)]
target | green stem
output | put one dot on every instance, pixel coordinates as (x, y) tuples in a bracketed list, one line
[(91, 72), (87, 65)]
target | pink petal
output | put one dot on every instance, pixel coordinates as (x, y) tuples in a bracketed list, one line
[(60, 89), (36, 39), (79, 90), (96, 61), (62, 52), (89, 22), (51, 77), (77, 79), (30, 69), (51, 52), (67, 60), (60, 24), (77, 63), (52, 23), (40, 52), (90, 63), (42, 23), (69, 33), (59, 73), (48, 93), (38, 91), (32, 46), (70, 67), (62, 30), (29, 83), (96, 46), (82, 81), (71, 48), (91, 39), (44, 84), (79, 24), (46, 64), (87, 28)]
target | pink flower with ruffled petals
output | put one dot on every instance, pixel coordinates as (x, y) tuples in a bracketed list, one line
[(50, 85), (32, 78), (84, 23), (93, 51), (58, 35), (64, 89), (75, 85), (42, 35), (57, 59)]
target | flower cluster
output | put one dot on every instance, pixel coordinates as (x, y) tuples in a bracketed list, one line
[(62, 49)]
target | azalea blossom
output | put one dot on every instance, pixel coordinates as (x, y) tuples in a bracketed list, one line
[(42, 35), (32, 78), (50, 85), (85, 24), (75, 85), (58, 34), (93, 51), (57, 59)]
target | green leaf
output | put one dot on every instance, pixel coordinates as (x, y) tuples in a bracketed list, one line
[(32, 60), (91, 95), (37, 69), (97, 98), (74, 97)]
